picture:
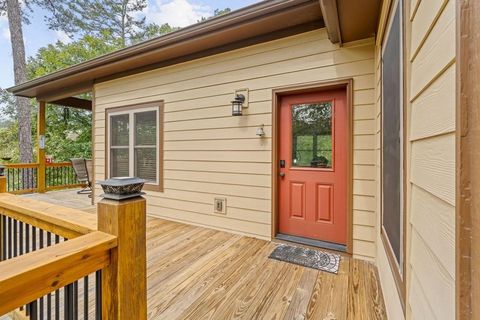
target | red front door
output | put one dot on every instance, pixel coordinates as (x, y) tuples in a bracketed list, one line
[(313, 154)]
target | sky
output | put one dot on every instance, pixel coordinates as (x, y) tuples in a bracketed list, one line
[(178, 13)]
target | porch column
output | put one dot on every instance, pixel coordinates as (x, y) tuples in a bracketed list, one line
[(41, 147)]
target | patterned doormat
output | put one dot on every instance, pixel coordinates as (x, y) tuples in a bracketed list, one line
[(315, 259)]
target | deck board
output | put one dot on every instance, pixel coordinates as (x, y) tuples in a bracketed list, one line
[(199, 273)]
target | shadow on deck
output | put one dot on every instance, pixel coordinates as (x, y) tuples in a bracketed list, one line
[(195, 272)]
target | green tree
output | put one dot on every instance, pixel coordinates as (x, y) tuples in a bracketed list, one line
[(153, 30), (216, 13), (118, 18), (68, 130), (61, 55)]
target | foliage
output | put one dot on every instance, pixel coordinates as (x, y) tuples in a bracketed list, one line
[(68, 133), (68, 130), (100, 27), (7, 106), (60, 55), (9, 141), (118, 18), (153, 30), (216, 13)]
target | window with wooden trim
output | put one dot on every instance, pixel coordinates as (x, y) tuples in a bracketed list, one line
[(393, 144), (134, 137)]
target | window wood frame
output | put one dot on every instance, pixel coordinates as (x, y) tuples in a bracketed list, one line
[(132, 110)]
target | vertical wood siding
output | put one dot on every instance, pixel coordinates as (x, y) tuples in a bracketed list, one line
[(209, 153)]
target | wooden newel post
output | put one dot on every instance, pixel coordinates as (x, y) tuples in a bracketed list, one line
[(41, 187), (124, 282), (3, 180)]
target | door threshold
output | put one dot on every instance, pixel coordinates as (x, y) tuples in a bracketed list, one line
[(312, 242)]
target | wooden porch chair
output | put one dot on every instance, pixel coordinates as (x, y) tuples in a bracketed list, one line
[(84, 171)]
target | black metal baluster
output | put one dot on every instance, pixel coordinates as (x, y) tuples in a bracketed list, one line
[(9, 236), (22, 240), (15, 241), (98, 295), (34, 304), (49, 296), (33, 310), (41, 301), (75, 300), (57, 292), (85, 298), (68, 304), (27, 238), (27, 250), (3, 255)]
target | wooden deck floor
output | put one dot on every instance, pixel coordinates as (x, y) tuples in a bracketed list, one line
[(199, 273)]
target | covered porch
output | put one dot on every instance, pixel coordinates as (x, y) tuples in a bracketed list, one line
[(199, 273)]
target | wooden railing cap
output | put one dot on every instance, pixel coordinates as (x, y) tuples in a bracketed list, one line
[(65, 222)]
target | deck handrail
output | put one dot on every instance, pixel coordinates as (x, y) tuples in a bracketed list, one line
[(65, 222), (27, 178), (111, 243), (34, 275), (20, 165)]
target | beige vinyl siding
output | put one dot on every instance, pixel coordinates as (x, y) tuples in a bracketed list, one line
[(208, 153), (430, 165), (432, 127)]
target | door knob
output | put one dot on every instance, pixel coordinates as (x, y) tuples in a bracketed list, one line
[(282, 174)]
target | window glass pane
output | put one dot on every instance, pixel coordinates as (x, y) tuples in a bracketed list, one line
[(312, 135), (146, 128), (146, 164), (119, 130), (119, 163)]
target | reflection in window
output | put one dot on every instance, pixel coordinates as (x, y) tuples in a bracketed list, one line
[(312, 135)]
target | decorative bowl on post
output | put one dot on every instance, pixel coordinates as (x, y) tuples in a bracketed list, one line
[(121, 188)]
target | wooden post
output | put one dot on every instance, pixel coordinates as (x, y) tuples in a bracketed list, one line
[(124, 282), (3, 184), (41, 148), (467, 202)]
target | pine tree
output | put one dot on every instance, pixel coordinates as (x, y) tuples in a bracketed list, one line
[(118, 18)]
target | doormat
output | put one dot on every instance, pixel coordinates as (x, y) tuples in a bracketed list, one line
[(315, 259)]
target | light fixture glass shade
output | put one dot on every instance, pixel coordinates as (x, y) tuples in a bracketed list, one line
[(236, 108), (237, 105)]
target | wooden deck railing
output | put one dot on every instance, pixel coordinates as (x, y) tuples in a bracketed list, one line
[(21, 177), (60, 263), (60, 175), (26, 178)]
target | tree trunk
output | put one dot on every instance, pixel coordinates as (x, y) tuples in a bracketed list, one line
[(20, 72)]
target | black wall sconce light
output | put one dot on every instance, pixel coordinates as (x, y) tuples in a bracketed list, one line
[(237, 105)]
